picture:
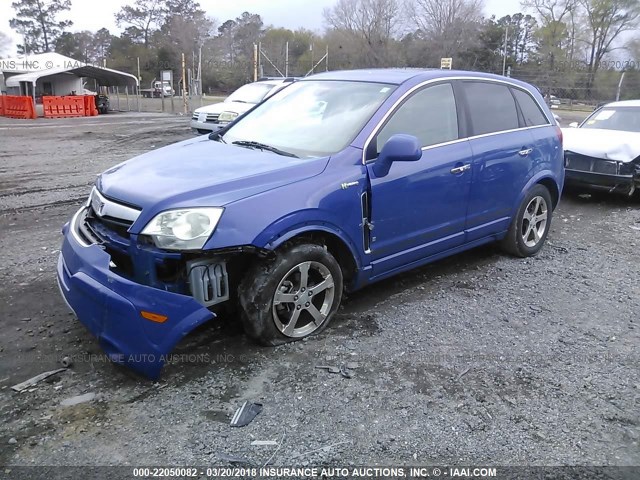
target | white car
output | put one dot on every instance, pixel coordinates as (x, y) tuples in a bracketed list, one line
[(210, 118), (603, 152)]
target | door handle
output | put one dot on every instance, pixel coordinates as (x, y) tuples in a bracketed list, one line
[(461, 169), (525, 152)]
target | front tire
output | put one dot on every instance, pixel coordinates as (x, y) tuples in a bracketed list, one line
[(530, 227), (292, 296)]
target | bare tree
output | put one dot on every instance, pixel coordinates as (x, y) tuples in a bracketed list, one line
[(448, 26), (550, 11), (554, 34), (369, 24), (606, 20)]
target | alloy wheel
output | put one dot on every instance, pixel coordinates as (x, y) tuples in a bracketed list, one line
[(303, 299), (534, 221)]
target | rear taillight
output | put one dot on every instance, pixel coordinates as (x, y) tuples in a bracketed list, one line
[(559, 133)]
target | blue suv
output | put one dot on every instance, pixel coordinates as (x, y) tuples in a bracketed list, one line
[(335, 182)]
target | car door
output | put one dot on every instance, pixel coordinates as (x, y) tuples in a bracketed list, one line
[(418, 209), (502, 150)]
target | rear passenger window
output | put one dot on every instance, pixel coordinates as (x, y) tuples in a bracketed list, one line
[(532, 114), (492, 107), (430, 115)]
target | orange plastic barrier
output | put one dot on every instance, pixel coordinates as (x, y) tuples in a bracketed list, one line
[(18, 106), (1, 105), (90, 106), (64, 107)]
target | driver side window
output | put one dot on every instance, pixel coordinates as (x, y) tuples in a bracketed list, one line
[(430, 115)]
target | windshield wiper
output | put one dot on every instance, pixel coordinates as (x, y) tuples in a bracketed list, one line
[(262, 146)]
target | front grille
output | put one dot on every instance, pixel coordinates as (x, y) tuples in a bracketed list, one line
[(211, 117), (108, 219), (110, 231), (579, 163), (584, 163), (606, 166), (117, 225), (85, 231)]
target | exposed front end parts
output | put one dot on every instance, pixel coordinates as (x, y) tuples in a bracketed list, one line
[(208, 281)]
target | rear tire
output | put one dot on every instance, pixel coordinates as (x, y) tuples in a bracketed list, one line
[(530, 227), (202, 131), (292, 296)]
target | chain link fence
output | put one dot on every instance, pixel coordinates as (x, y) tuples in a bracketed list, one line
[(579, 90), (122, 99)]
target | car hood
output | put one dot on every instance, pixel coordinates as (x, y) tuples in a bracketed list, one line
[(600, 143), (201, 172), (237, 107)]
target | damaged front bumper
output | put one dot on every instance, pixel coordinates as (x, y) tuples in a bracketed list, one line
[(136, 325), (602, 174)]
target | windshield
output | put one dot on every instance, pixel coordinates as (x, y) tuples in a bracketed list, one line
[(251, 93), (311, 118), (626, 119)]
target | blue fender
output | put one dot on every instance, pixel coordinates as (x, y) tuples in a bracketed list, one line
[(537, 178), (300, 222)]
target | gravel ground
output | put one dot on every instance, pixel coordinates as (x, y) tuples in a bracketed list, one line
[(477, 359)]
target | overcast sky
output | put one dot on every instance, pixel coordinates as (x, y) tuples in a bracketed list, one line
[(92, 15)]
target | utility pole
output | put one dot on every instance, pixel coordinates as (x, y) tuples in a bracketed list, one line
[(573, 36), (327, 60), (619, 86), (504, 52), (255, 62), (311, 50), (200, 73), (138, 88), (184, 87), (286, 59)]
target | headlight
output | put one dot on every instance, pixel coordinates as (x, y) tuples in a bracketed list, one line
[(185, 229), (226, 117)]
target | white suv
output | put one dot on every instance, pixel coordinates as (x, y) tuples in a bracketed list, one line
[(210, 118)]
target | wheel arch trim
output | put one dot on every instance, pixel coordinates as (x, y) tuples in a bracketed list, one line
[(271, 241), (544, 178)]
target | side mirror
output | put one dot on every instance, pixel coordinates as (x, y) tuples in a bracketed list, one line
[(399, 148), (573, 124)]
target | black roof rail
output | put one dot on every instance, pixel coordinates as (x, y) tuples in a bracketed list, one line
[(284, 79)]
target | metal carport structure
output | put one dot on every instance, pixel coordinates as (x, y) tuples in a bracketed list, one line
[(62, 76), (105, 76)]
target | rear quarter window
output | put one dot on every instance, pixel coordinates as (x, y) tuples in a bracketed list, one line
[(533, 115), (491, 107)]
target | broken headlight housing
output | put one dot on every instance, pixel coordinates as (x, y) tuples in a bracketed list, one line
[(183, 229)]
